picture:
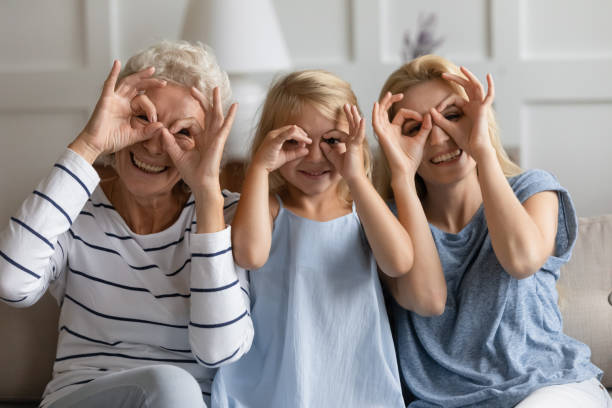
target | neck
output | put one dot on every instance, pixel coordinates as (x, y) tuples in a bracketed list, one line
[(145, 215), (319, 207), (451, 207)]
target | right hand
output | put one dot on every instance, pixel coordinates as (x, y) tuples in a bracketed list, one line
[(281, 146), (109, 129), (404, 152)]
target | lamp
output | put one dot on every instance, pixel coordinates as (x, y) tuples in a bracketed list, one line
[(247, 39)]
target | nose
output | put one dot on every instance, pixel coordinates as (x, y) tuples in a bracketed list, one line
[(154, 145), (437, 136), (314, 153)]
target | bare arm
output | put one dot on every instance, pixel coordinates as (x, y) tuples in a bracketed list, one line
[(252, 225), (423, 288)]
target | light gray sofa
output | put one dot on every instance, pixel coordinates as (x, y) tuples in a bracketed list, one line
[(28, 336)]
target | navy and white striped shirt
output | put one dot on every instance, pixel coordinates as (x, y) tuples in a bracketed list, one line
[(127, 300)]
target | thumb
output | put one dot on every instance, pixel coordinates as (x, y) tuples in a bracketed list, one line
[(173, 149), (332, 155)]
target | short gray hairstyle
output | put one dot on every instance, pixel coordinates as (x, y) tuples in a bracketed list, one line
[(183, 63)]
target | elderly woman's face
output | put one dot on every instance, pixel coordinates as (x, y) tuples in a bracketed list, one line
[(145, 168)]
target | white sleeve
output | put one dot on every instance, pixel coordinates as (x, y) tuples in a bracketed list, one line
[(33, 245), (220, 327)]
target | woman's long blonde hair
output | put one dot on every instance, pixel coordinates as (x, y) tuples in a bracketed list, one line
[(285, 102), (427, 68)]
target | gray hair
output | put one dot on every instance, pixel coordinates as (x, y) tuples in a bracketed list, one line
[(183, 63)]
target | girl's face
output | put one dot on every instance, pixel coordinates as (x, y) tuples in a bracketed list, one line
[(313, 174), (443, 161)]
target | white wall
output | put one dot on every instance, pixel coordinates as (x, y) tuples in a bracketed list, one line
[(551, 59)]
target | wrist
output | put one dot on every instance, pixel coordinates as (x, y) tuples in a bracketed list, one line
[(356, 180), (403, 181), (484, 154), (84, 149)]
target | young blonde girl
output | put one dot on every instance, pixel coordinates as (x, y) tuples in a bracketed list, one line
[(311, 229), (500, 235)]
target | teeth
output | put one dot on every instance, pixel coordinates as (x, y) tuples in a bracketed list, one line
[(446, 157), (314, 174), (147, 167)]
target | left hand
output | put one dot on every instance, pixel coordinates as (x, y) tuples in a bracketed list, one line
[(472, 137), (198, 160), (347, 154)]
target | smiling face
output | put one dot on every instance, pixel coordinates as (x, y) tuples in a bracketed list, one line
[(145, 169), (313, 174), (443, 161)]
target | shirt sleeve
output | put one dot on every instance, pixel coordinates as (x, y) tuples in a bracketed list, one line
[(33, 245), (220, 327), (532, 182)]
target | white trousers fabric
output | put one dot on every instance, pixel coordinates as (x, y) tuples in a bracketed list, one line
[(586, 394), (156, 386)]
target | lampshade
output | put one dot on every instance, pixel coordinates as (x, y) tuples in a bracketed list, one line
[(244, 34)]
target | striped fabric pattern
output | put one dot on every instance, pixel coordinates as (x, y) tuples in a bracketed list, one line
[(127, 300)]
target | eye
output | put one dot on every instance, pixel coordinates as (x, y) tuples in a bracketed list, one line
[(291, 142), (184, 132), (412, 130), (331, 140), (143, 118), (453, 116)]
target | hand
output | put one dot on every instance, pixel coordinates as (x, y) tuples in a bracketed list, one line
[(281, 146), (403, 148), (472, 137), (346, 154), (198, 158), (109, 128)]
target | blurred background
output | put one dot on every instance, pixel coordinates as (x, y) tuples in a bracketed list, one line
[(551, 61)]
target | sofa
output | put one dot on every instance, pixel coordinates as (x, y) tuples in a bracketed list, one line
[(28, 336)]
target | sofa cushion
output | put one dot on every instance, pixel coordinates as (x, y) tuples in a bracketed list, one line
[(585, 289)]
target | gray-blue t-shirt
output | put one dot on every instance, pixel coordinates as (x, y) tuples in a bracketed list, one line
[(499, 338)]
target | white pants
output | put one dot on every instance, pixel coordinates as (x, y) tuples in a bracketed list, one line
[(586, 394)]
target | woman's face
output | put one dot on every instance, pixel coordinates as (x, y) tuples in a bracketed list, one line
[(314, 174), (145, 168), (443, 161)]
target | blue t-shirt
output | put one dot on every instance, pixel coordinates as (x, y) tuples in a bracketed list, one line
[(499, 338)]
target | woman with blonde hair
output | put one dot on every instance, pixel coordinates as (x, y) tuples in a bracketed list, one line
[(311, 229), (500, 235), (140, 262)]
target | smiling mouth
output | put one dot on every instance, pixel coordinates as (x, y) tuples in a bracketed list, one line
[(447, 157), (147, 168), (314, 174)]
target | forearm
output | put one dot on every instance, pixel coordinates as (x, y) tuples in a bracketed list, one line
[(220, 328), (29, 241), (209, 209), (520, 246), (252, 229), (423, 288), (390, 243)]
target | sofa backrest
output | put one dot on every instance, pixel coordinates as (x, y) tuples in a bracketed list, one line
[(28, 337), (585, 290)]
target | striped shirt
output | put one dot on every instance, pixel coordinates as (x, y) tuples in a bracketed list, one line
[(127, 300)]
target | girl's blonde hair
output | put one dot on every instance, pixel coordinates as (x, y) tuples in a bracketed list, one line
[(285, 102), (427, 68)]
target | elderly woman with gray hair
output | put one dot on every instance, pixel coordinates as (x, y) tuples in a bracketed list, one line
[(141, 261)]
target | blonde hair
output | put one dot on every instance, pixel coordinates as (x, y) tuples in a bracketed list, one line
[(185, 64), (285, 102), (427, 68)]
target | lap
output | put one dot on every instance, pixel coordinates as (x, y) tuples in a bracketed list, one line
[(584, 394), (147, 387)]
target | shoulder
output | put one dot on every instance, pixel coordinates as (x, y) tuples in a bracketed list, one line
[(534, 181)]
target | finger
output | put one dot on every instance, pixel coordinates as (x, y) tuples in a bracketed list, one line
[(425, 130), (475, 84), (128, 83), (199, 96), (142, 103), (349, 116), (403, 114), (273, 134), (449, 127), (451, 100), (111, 80), (148, 83), (360, 135), (229, 119), (459, 80), (390, 99), (293, 133), (490, 90), (295, 154), (332, 155), (171, 146), (217, 107)]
